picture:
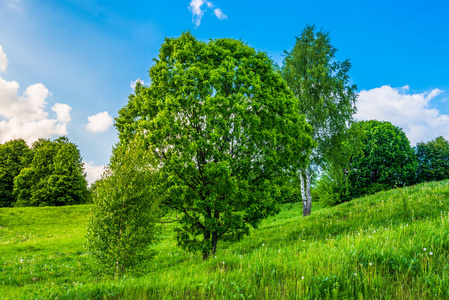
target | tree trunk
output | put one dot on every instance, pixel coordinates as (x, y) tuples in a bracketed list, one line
[(308, 193), (206, 238), (212, 237), (305, 177), (214, 242)]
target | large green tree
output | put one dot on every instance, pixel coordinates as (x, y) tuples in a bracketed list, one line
[(54, 177), (386, 161), (322, 85), (14, 156), (433, 160), (223, 128)]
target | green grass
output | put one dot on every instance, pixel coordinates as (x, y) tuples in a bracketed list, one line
[(392, 245)]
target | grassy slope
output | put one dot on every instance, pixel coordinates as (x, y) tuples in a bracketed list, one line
[(371, 247)]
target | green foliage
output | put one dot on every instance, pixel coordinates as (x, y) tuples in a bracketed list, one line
[(54, 176), (122, 225), (386, 161), (433, 160), (223, 129), (14, 156), (333, 186), (322, 85)]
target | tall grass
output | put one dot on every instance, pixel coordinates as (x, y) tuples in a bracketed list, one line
[(392, 245)]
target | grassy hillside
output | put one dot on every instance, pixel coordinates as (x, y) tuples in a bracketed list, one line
[(392, 245)]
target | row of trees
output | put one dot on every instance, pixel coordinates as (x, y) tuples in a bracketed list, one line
[(49, 173), (222, 135), (379, 157)]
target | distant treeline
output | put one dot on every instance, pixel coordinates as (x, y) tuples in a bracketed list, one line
[(49, 173), (379, 157)]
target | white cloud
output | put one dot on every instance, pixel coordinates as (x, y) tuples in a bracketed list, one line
[(24, 116), (133, 83), (14, 4), (3, 60), (220, 14), (409, 111), (199, 7), (62, 111), (93, 173), (99, 122)]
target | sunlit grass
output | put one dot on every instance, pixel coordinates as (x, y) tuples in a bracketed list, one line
[(392, 245)]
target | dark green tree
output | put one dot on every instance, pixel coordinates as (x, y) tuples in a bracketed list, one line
[(386, 161), (223, 128), (322, 85), (54, 177), (123, 222), (14, 156), (433, 160), (67, 184)]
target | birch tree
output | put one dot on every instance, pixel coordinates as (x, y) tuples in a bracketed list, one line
[(122, 226), (322, 85)]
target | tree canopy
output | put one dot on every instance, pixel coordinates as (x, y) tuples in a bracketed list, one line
[(54, 176), (222, 127), (433, 160), (322, 85), (386, 161), (14, 156), (123, 222)]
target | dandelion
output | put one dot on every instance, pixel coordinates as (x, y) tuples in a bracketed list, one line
[(223, 262), (279, 250), (263, 245), (355, 274), (430, 253), (425, 249), (370, 264), (302, 277)]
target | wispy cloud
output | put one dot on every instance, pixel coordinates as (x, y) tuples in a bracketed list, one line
[(199, 7), (14, 4), (24, 116), (3, 60), (99, 122), (220, 14), (410, 111)]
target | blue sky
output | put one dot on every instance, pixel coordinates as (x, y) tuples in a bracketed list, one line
[(66, 66)]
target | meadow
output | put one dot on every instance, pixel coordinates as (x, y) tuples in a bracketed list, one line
[(391, 245)]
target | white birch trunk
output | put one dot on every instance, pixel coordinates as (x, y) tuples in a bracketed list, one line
[(308, 176), (305, 177)]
